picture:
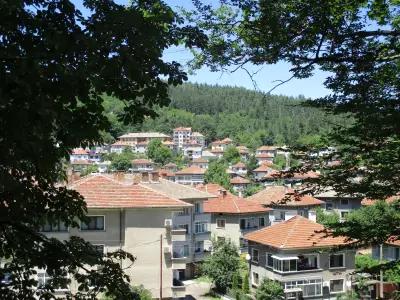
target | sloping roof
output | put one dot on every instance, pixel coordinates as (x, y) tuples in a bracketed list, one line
[(121, 143), (177, 190), (170, 165), (81, 162), (144, 135), (80, 151), (283, 196), (183, 129), (200, 160), (100, 191), (141, 161), (265, 155), (267, 148), (242, 149), (295, 233), (239, 180), (166, 173), (228, 203), (239, 165), (368, 202), (191, 170), (299, 176), (264, 168)]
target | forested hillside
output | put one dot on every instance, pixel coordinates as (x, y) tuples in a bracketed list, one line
[(248, 117)]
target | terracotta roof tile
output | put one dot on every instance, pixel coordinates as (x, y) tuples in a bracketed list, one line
[(81, 162), (283, 196), (265, 155), (228, 203), (80, 151), (239, 165), (368, 202), (191, 170), (183, 129), (267, 148), (264, 168), (100, 191), (239, 180), (295, 233), (141, 161)]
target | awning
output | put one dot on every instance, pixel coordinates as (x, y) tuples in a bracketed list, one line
[(284, 257)]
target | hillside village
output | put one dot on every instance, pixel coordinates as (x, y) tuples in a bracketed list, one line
[(149, 205)]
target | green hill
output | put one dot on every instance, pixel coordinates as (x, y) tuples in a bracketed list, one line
[(248, 117)]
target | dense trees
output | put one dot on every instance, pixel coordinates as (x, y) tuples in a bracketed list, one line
[(216, 173), (55, 64), (250, 118), (158, 152)]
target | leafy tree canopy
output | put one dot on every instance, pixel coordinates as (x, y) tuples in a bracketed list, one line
[(231, 155), (222, 265), (158, 152), (216, 173), (55, 66)]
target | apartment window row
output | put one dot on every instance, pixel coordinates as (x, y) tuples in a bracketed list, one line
[(250, 223), (309, 287), (93, 223), (298, 263), (200, 227)]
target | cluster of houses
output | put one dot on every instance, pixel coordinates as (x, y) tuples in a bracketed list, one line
[(174, 211)]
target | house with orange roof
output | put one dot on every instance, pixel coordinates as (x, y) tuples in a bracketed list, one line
[(184, 135), (221, 145), (142, 165), (239, 169), (125, 213), (287, 203), (200, 162), (264, 169), (288, 179), (137, 141), (232, 216), (239, 184), (267, 150), (192, 150), (191, 175), (302, 256), (244, 152), (79, 154)]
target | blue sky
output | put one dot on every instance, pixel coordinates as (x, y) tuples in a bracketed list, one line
[(311, 87)]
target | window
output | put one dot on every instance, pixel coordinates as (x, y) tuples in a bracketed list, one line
[(270, 260), (344, 202), (200, 227), (242, 223), (288, 265), (280, 216), (94, 223), (254, 257), (396, 253), (337, 285), (184, 226), (310, 288), (261, 222), (328, 205), (58, 226), (199, 247), (344, 214), (256, 279), (336, 260), (307, 262), (45, 279), (197, 208), (220, 223)]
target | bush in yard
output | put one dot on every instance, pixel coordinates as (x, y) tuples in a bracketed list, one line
[(269, 290)]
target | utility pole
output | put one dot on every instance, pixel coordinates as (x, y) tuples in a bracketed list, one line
[(161, 270), (381, 272)]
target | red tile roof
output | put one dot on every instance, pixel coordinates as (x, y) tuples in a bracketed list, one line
[(239, 180), (267, 148), (264, 167), (265, 155), (170, 165), (80, 151), (100, 191), (228, 203), (295, 233), (242, 149), (191, 170), (183, 129), (165, 173), (141, 161), (283, 196), (200, 160), (368, 202), (277, 174), (81, 162), (239, 165)]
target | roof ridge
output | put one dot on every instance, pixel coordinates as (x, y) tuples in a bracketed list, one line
[(295, 220), (164, 194), (188, 187)]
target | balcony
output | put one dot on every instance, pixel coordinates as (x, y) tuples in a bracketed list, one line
[(178, 234), (200, 254), (178, 289)]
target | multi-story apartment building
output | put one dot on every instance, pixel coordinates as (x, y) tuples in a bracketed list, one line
[(137, 141), (239, 169), (286, 203), (265, 154), (221, 145), (263, 170), (190, 176), (239, 184), (185, 135), (200, 162), (341, 205), (232, 216), (195, 242), (142, 165), (298, 254), (192, 150), (132, 216), (244, 152), (79, 154)]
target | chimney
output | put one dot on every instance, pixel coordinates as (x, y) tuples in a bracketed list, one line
[(145, 177), (155, 177), (222, 192), (136, 178), (240, 194)]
